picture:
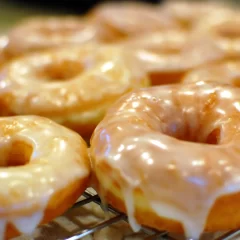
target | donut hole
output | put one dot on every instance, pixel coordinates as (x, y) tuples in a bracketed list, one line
[(190, 135), (229, 31), (236, 82), (16, 154), (64, 70), (213, 137)]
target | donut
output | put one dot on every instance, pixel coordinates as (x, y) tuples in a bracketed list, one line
[(165, 41), (118, 21), (73, 86), (44, 169), (39, 33), (171, 67), (168, 156), (227, 72), (225, 31), (187, 13)]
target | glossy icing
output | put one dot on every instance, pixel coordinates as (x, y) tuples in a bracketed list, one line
[(195, 52), (159, 138), (40, 33), (58, 158), (165, 41), (75, 84), (130, 18), (189, 13), (227, 72), (224, 28)]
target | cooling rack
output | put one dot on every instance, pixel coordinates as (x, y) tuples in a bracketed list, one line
[(89, 197)]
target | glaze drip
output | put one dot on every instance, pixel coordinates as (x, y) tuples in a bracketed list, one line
[(177, 145)]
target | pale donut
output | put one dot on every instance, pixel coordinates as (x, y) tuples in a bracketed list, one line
[(118, 21), (170, 67), (224, 29), (73, 86), (38, 33), (44, 169), (188, 13), (168, 156), (227, 72)]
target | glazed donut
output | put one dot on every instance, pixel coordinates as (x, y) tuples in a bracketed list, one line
[(171, 67), (119, 21), (38, 33), (72, 86), (224, 73), (188, 13), (168, 156), (225, 31), (44, 169), (166, 41)]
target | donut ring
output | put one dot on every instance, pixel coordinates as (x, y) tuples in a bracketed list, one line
[(44, 169), (72, 86), (187, 14), (225, 31), (168, 156), (224, 73), (119, 21), (171, 67), (166, 41), (39, 33)]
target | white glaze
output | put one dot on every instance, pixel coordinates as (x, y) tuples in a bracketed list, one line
[(139, 138), (108, 72), (59, 158), (128, 195), (27, 225)]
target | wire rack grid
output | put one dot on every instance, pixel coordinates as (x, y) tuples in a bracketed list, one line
[(89, 197)]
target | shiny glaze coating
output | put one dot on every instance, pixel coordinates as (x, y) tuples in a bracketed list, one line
[(227, 72), (166, 67), (40, 33), (224, 28), (73, 86), (174, 147), (44, 168), (166, 41), (188, 13), (121, 20)]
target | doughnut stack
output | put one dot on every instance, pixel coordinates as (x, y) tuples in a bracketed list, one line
[(139, 101)]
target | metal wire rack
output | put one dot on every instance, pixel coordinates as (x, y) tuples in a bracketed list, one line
[(89, 196)]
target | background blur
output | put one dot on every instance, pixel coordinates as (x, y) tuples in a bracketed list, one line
[(13, 10)]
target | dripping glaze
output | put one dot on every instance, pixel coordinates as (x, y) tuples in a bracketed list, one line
[(58, 158), (157, 140)]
